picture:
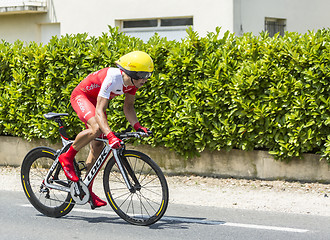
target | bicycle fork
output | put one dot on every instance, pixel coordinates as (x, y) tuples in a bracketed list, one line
[(126, 169)]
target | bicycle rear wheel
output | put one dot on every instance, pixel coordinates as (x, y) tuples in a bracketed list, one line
[(50, 202), (148, 202)]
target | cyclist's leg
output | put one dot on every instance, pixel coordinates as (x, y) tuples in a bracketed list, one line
[(85, 108), (87, 135), (96, 201), (95, 150)]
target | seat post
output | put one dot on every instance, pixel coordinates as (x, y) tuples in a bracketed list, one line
[(61, 128)]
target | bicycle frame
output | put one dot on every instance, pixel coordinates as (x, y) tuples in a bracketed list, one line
[(95, 168), (98, 163), (121, 161)]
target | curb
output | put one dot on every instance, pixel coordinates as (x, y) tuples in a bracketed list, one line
[(234, 163)]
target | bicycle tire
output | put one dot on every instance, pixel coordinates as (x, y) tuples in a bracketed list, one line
[(150, 204), (50, 202)]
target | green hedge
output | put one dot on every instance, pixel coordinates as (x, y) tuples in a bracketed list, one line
[(249, 92)]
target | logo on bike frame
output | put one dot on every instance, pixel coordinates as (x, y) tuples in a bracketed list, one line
[(97, 165)]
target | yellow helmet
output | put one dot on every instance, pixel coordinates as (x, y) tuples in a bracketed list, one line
[(137, 65)]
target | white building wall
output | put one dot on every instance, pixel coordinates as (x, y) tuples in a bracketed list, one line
[(23, 27), (300, 15), (79, 16), (27, 25)]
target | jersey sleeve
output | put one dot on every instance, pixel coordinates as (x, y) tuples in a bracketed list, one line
[(106, 86)]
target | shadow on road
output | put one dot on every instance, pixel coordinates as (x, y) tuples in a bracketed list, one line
[(174, 222), (166, 222)]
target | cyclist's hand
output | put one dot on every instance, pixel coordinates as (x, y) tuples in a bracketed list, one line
[(139, 128), (114, 142)]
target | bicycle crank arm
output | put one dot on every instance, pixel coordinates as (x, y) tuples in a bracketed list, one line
[(79, 193)]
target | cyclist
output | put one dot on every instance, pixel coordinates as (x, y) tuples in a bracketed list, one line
[(90, 100)]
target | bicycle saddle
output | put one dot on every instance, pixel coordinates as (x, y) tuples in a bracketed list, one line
[(52, 115)]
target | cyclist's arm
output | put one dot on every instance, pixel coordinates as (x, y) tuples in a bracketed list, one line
[(129, 110), (101, 107)]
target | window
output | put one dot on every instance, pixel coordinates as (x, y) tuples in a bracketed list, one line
[(140, 23), (172, 28), (176, 22), (275, 25)]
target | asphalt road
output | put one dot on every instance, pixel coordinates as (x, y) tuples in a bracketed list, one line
[(19, 220)]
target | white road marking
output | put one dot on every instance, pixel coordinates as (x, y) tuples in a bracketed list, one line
[(198, 221), (284, 229), (192, 220)]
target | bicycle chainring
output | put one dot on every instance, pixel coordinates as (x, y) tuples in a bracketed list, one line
[(79, 192)]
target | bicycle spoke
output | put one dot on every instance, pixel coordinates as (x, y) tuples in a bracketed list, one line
[(128, 193), (140, 174), (125, 199), (122, 188), (146, 202), (39, 175), (146, 175), (118, 178), (140, 197), (145, 209), (150, 200), (155, 178), (129, 204), (152, 192)]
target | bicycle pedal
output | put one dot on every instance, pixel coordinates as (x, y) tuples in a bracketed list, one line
[(92, 205)]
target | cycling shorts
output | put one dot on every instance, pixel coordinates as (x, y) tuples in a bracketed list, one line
[(83, 105)]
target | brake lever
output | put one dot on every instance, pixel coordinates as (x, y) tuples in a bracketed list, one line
[(143, 133)]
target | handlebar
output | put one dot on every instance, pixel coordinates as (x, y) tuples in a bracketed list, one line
[(126, 135)]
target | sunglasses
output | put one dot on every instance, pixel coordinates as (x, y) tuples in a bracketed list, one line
[(141, 75)]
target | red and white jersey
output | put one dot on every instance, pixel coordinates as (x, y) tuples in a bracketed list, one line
[(107, 83)]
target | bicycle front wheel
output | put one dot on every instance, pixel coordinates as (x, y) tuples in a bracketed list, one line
[(147, 202), (51, 202)]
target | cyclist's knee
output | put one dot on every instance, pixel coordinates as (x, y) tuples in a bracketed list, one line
[(93, 127), (94, 130)]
